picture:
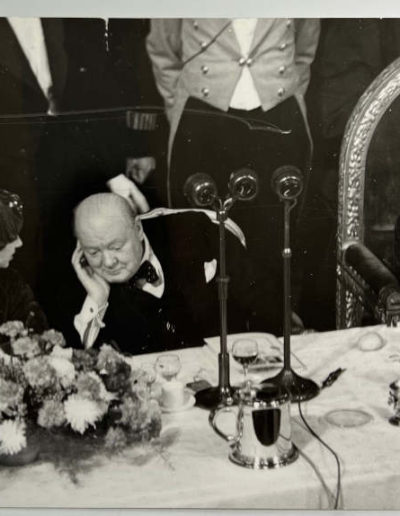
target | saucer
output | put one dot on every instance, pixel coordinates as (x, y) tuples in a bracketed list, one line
[(348, 418), (371, 341), (188, 404)]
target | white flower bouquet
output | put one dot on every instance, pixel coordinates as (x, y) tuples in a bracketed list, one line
[(44, 383)]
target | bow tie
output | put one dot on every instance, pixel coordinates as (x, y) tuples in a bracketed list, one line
[(145, 272)]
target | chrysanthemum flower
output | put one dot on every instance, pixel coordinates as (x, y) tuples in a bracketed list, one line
[(84, 359), (5, 357), (53, 337), (60, 352), (130, 411), (90, 386), (51, 414), (64, 369), (39, 373), (26, 347), (12, 329), (12, 437), (108, 359), (82, 413), (11, 394), (115, 439)]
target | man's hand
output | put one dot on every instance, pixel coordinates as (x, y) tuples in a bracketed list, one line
[(139, 169), (124, 187), (96, 287)]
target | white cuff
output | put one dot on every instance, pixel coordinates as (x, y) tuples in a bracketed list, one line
[(89, 321), (210, 270)]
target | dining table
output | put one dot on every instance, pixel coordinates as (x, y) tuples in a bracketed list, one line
[(190, 467)]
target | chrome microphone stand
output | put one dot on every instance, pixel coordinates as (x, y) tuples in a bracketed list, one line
[(287, 182), (201, 190)]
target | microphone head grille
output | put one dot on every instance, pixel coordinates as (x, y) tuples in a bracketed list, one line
[(243, 184), (287, 182), (200, 190)]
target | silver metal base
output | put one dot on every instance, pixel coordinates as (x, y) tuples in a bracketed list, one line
[(260, 463)]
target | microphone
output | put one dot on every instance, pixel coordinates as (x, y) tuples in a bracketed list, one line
[(200, 190), (243, 184), (287, 182)]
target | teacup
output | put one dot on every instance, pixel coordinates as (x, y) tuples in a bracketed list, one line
[(173, 395)]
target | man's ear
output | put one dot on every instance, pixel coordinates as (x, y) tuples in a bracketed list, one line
[(139, 228)]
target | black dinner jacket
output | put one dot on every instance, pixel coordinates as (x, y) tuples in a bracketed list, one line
[(20, 92), (83, 80), (78, 62), (188, 311)]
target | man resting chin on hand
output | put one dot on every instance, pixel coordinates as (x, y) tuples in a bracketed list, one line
[(150, 284)]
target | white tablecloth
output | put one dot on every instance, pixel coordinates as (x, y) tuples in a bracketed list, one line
[(194, 470)]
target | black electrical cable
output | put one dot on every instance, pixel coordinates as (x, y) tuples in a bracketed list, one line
[(314, 434)]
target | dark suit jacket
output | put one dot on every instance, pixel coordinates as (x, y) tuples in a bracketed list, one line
[(351, 53), (19, 90), (130, 62), (78, 63), (188, 310)]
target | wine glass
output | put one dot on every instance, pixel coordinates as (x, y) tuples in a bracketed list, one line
[(168, 366), (143, 381), (149, 373), (149, 376), (245, 351)]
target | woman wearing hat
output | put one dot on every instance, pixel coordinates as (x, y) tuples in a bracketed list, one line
[(17, 302)]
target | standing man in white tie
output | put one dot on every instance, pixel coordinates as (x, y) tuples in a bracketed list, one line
[(219, 78)]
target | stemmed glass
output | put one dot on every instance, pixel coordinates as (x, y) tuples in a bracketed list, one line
[(168, 366), (245, 351), (148, 377)]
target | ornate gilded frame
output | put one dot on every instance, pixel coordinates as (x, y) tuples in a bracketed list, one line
[(357, 138)]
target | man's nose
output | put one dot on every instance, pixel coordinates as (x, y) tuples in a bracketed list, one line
[(108, 259), (18, 242)]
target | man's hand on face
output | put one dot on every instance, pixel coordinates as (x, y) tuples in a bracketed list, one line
[(139, 169), (96, 286), (126, 188)]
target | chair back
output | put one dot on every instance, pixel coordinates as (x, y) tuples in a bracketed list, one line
[(369, 188)]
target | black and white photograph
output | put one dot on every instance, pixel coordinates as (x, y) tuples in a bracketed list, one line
[(199, 262)]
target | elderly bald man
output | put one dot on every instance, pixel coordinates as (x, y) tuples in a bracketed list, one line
[(150, 284)]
